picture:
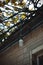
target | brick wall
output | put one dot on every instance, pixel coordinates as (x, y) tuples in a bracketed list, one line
[(21, 56)]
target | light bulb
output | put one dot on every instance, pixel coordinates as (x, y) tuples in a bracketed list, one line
[(31, 7), (20, 42), (3, 40), (8, 33)]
